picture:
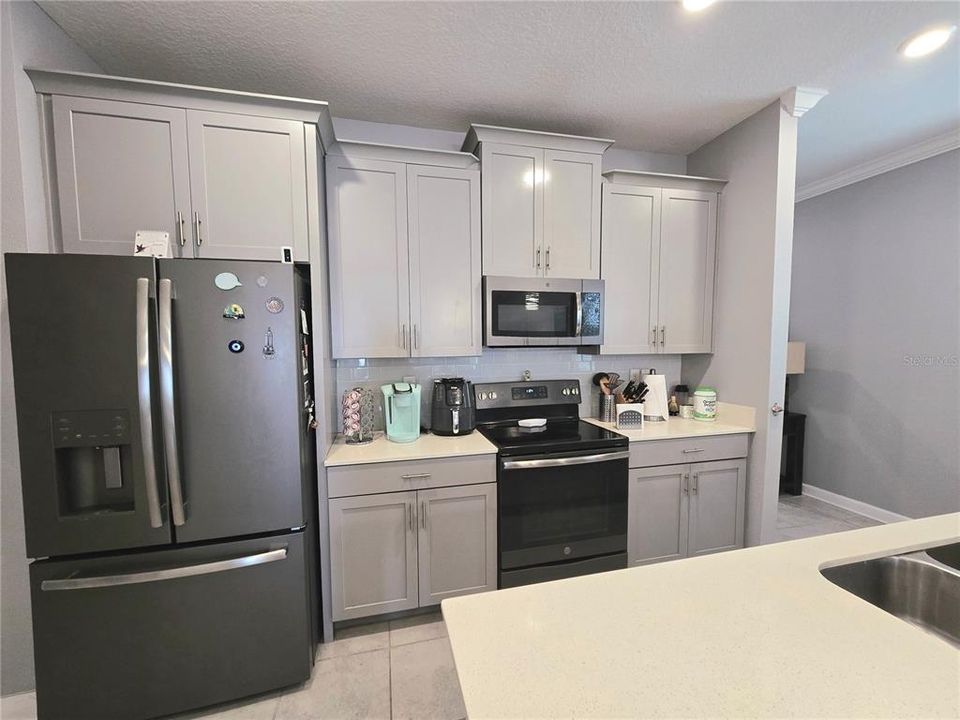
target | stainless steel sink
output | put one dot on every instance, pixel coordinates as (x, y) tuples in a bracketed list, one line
[(922, 588)]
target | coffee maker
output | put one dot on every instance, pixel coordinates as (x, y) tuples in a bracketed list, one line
[(401, 405), (453, 407)]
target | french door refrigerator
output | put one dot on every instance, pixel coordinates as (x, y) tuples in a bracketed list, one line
[(163, 410)]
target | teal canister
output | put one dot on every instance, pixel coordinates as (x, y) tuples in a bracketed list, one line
[(705, 404), (401, 405)]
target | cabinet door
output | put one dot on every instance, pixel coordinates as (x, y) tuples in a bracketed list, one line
[(630, 268), (121, 167), (716, 506), (688, 246), (369, 286), (458, 541), (249, 186), (443, 212), (373, 554), (512, 189), (657, 520), (571, 214)]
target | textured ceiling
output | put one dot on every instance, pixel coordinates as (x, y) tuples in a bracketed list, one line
[(649, 75)]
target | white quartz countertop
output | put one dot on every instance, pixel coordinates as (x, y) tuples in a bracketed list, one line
[(675, 428), (426, 447), (750, 633)]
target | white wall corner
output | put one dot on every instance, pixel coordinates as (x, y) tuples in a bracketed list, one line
[(798, 100)]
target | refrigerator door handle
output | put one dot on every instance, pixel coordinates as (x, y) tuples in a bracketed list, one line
[(146, 402), (167, 411), (145, 576)]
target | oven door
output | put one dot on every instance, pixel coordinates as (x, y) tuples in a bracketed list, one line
[(561, 507), (531, 311)]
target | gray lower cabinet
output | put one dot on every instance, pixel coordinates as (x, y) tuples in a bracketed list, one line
[(684, 510), (397, 551)]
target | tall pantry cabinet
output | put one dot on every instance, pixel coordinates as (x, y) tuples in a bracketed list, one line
[(223, 174)]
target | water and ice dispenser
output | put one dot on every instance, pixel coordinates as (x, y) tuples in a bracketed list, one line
[(93, 461)]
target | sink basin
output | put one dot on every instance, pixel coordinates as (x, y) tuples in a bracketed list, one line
[(922, 588)]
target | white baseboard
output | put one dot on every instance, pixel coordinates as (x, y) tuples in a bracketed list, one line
[(856, 506)]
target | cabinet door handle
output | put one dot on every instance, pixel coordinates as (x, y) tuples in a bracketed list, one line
[(548, 257), (403, 336), (423, 514), (180, 236), (653, 332), (696, 483), (663, 335), (538, 258), (691, 450), (686, 483), (196, 226), (410, 516), (416, 338), (415, 476)]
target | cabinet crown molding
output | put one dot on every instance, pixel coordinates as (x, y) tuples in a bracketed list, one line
[(664, 180), (532, 138), (403, 153), (195, 97)]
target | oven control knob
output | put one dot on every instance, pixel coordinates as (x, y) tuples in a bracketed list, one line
[(575, 391), (493, 396), (481, 396), (567, 550)]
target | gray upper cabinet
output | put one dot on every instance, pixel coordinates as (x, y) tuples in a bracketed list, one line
[(248, 185), (121, 167), (404, 252), (458, 541), (541, 202), (224, 174), (659, 259)]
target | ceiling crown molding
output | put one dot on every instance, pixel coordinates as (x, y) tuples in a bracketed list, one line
[(885, 163), (797, 100)]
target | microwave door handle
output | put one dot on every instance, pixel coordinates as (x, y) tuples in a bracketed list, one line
[(579, 329)]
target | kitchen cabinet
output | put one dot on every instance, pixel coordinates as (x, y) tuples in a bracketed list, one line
[(373, 554), (685, 510), (248, 186), (541, 202), (397, 551), (659, 260), (404, 252), (224, 174)]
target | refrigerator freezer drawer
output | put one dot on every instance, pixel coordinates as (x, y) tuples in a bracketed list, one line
[(148, 634)]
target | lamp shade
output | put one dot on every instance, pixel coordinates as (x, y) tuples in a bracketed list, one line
[(796, 358)]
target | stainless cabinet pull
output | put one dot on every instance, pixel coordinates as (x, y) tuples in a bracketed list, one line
[(415, 476), (548, 257), (167, 411), (663, 335), (693, 450), (403, 336), (653, 332), (686, 483), (416, 338), (180, 236), (696, 483), (135, 578), (410, 516), (196, 225), (423, 514), (145, 400), (538, 258)]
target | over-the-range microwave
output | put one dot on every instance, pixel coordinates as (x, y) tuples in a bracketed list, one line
[(530, 312)]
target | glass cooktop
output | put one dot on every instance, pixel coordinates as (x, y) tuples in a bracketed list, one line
[(559, 435)]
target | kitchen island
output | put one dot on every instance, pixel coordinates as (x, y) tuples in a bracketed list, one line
[(757, 632)]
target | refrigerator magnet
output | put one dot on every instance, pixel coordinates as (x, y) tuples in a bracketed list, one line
[(234, 311), (227, 281)]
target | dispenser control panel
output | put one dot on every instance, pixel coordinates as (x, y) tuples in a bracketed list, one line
[(88, 428)]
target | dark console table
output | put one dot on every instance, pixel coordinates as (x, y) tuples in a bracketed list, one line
[(791, 479)]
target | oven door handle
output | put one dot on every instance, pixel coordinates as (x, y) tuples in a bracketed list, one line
[(565, 461)]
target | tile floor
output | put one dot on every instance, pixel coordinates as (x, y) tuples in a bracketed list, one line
[(404, 668)]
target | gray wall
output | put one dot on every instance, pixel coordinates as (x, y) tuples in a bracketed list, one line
[(876, 297), (27, 37), (755, 236)]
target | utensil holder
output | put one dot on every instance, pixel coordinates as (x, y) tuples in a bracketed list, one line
[(608, 408)]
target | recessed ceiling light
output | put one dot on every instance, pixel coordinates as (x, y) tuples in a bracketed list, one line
[(697, 5), (926, 42)]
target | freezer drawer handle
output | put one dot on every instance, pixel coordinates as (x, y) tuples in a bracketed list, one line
[(166, 401), (561, 462), (135, 578), (145, 401)]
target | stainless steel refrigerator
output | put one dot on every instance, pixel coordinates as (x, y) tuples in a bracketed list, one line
[(163, 410)]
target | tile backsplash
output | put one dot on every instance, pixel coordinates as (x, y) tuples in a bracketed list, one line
[(496, 365)]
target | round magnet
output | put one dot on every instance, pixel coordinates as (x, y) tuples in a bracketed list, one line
[(235, 346), (262, 281), (274, 305), (227, 281)]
